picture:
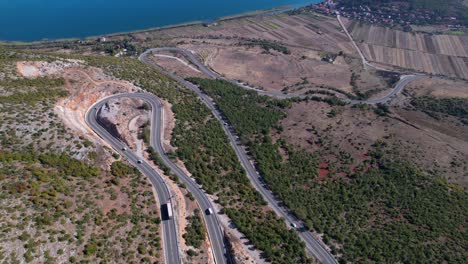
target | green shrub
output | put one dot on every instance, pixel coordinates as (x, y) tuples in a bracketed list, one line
[(194, 232)]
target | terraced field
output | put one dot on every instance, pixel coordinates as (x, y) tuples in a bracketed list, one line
[(304, 31), (435, 54)]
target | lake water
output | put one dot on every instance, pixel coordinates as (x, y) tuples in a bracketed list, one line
[(29, 20)]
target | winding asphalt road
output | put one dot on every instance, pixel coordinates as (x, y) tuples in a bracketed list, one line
[(316, 247), (214, 230), (399, 86), (170, 243), (312, 244)]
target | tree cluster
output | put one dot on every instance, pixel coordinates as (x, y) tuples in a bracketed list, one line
[(194, 232), (384, 211)]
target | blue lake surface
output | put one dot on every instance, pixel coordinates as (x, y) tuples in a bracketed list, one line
[(30, 20)]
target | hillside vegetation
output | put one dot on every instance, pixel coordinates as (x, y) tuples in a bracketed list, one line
[(53, 205), (438, 107), (386, 211), (195, 231), (59, 204)]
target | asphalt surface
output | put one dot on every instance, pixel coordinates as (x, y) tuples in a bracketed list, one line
[(399, 86), (312, 244), (170, 243), (316, 247), (171, 248)]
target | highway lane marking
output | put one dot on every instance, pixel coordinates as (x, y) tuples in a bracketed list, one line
[(405, 80), (241, 156), (203, 201), (102, 133)]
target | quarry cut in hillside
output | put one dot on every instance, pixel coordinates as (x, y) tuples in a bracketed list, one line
[(107, 117), (122, 118)]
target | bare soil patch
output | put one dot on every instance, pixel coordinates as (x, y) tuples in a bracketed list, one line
[(274, 71), (438, 88), (168, 126), (416, 137), (86, 86), (128, 116), (177, 65), (34, 69)]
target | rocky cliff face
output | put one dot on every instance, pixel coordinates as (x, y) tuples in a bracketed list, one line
[(108, 118)]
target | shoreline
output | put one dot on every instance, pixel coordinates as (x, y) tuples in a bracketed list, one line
[(254, 13), (260, 12)]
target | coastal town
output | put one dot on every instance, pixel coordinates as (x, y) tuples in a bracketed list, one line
[(392, 14)]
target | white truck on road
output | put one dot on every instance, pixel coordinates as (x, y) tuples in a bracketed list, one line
[(168, 210)]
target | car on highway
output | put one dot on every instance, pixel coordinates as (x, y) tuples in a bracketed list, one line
[(124, 149), (139, 161), (209, 211), (293, 225)]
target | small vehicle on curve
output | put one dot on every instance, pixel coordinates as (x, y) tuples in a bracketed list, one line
[(209, 211)]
